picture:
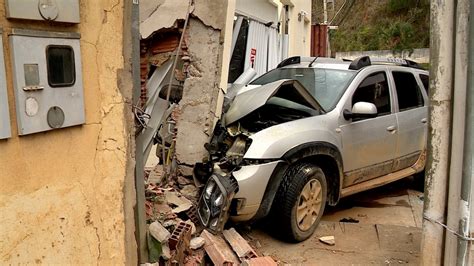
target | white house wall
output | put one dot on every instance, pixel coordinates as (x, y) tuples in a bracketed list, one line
[(261, 10)]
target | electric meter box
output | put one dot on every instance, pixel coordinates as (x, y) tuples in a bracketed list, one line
[(47, 78), (50, 10), (5, 130)]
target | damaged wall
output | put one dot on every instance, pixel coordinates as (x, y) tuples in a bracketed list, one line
[(62, 192), (202, 88)]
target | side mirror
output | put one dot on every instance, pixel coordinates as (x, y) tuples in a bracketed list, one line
[(361, 110)]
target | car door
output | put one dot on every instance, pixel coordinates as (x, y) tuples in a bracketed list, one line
[(369, 145), (412, 117)]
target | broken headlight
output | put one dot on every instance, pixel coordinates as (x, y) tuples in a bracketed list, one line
[(215, 201)]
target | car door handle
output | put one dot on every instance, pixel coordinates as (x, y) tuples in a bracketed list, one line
[(424, 120), (391, 129)]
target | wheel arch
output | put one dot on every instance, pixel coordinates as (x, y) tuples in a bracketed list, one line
[(324, 155)]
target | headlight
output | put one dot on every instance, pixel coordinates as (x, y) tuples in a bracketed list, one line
[(209, 189), (215, 201), (219, 200)]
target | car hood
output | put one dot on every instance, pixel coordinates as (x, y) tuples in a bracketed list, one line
[(248, 101)]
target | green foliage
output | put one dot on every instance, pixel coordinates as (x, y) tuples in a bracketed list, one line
[(385, 25), (399, 5)]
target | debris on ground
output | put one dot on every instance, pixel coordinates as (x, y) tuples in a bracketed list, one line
[(328, 240), (261, 261), (197, 243), (174, 230), (239, 244), (179, 243), (190, 191), (349, 220), (159, 232), (180, 203), (218, 251)]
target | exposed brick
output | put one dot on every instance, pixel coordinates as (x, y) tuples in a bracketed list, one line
[(165, 43), (239, 244), (218, 250), (261, 261), (181, 235)]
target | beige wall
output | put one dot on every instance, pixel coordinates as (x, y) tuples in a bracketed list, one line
[(299, 31), (62, 192)]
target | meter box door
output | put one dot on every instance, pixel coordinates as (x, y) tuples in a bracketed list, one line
[(47, 77), (5, 130), (51, 10)]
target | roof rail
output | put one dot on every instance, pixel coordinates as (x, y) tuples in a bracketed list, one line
[(290, 61), (364, 61)]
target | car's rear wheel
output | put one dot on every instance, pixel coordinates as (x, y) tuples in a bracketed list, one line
[(300, 201)]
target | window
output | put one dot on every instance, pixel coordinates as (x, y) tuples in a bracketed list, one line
[(425, 79), (326, 85), (374, 89), (61, 70), (408, 91)]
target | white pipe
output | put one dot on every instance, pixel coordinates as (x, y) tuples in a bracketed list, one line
[(455, 205), (246, 77)]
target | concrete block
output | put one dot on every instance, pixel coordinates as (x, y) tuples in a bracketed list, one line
[(159, 232)]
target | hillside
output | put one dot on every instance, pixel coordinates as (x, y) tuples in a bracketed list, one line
[(377, 24)]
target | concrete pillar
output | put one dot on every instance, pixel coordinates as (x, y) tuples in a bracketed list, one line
[(441, 86)]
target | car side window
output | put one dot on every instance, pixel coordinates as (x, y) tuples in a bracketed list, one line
[(408, 91), (374, 89)]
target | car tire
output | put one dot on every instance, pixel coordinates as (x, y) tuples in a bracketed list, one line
[(294, 220)]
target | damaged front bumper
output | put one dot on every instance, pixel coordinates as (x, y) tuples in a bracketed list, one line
[(237, 194), (215, 200)]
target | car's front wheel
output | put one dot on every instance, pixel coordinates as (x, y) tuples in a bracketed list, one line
[(300, 201)]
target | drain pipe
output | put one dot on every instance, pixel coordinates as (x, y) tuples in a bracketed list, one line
[(460, 66), (467, 188)]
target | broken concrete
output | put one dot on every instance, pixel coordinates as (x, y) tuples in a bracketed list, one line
[(190, 191), (181, 203), (197, 243), (328, 240), (153, 18), (159, 232), (166, 252), (201, 90)]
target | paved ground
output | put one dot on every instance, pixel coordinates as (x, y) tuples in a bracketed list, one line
[(388, 231)]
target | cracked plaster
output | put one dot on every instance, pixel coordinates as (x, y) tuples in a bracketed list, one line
[(62, 193)]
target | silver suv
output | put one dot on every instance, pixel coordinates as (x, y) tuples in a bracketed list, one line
[(308, 133)]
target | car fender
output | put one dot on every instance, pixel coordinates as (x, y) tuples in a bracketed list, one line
[(305, 152)]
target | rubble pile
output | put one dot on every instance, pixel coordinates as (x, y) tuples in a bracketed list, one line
[(175, 236)]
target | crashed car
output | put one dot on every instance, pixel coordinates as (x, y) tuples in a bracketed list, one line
[(308, 133)]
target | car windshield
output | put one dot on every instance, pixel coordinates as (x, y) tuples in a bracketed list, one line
[(326, 85)]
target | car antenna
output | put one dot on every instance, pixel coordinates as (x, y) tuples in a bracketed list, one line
[(311, 64)]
